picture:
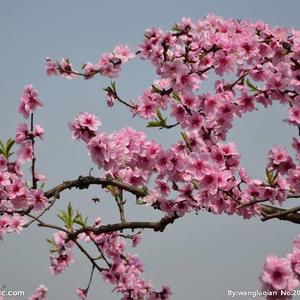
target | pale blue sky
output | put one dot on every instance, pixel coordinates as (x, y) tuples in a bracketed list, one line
[(201, 257)]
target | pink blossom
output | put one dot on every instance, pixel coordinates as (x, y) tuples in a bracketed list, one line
[(209, 182), (16, 223), (229, 149), (224, 63), (21, 133), (163, 162), (181, 206), (37, 199), (246, 103), (60, 263), (29, 101), (84, 126), (38, 131), (65, 69), (136, 240), (51, 67), (123, 52), (4, 179), (25, 152), (276, 272), (16, 189), (294, 179), (173, 69), (198, 165), (4, 225), (82, 293), (3, 163), (109, 65), (162, 187), (40, 177), (90, 70)]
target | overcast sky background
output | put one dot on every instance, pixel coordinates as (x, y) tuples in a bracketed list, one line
[(200, 257)]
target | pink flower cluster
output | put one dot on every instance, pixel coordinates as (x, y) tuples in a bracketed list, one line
[(109, 64), (206, 171), (64, 256), (84, 126), (126, 155), (15, 194), (11, 223), (122, 270), (202, 171), (282, 275), (125, 270)]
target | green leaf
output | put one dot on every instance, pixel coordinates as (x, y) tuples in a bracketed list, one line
[(1, 145), (70, 210), (80, 220), (113, 86), (159, 115), (252, 87), (63, 216), (9, 144), (154, 124), (160, 121), (67, 216), (6, 148)]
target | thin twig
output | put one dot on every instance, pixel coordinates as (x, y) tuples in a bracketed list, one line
[(120, 202), (91, 278), (34, 179), (89, 257), (101, 252)]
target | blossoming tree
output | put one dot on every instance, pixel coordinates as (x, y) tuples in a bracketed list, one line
[(254, 66)]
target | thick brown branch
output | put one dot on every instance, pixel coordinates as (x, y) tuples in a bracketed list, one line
[(156, 226), (271, 212), (85, 182)]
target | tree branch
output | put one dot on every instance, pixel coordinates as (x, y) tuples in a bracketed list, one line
[(156, 226), (85, 182), (271, 212)]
